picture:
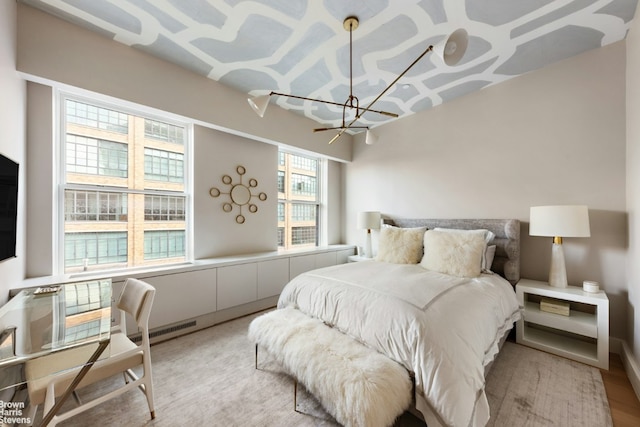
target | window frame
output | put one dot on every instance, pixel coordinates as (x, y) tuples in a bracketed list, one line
[(60, 173)]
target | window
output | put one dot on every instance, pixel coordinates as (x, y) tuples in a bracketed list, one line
[(299, 200), (95, 248), (125, 199), (160, 165), (96, 157), (96, 117), (163, 244), (94, 206), (164, 208), (164, 131)]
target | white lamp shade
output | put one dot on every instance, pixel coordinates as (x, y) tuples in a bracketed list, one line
[(452, 49), (370, 138), (369, 220), (559, 221), (259, 104)]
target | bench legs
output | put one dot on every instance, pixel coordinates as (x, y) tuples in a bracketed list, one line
[(295, 385)]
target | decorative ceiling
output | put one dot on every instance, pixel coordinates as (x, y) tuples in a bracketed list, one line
[(300, 46)]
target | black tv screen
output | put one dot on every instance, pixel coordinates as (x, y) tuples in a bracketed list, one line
[(8, 207)]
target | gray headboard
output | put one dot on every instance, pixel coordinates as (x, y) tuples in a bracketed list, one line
[(507, 259)]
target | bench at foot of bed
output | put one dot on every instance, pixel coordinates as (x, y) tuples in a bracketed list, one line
[(355, 384)]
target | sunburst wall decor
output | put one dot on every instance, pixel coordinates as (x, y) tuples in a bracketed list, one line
[(239, 194)]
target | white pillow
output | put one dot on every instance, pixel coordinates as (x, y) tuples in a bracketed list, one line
[(457, 254), (485, 264), (487, 259), (400, 245)]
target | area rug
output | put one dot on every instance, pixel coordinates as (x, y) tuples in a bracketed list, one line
[(531, 388), (208, 378)]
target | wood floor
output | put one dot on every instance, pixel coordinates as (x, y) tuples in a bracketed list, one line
[(625, 407)]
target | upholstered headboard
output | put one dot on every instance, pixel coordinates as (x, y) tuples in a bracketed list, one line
[(507, 240)]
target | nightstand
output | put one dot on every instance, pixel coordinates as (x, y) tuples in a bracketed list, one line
[(358, 258), (581, 336)]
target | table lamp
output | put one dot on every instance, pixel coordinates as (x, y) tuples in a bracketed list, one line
[(559, 222), (368, 221)]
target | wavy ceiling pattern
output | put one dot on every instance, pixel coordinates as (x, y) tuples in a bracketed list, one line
[(300, 46)]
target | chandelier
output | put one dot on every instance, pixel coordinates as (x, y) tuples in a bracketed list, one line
[(450, 49)]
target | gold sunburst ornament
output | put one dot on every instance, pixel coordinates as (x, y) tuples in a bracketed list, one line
[(239, 194)]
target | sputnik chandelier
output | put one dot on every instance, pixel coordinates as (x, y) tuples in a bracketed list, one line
[(450, 50)]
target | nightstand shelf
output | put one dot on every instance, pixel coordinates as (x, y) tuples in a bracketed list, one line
[(581, 336)]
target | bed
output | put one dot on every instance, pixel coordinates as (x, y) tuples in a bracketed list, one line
[(426, 304)]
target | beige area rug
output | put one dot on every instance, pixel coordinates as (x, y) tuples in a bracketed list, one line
[(208, 379)]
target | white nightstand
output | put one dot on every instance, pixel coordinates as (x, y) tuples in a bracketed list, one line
[(581, 336), (358, 258)]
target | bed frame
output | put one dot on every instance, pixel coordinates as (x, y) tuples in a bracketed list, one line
[(507, 240)]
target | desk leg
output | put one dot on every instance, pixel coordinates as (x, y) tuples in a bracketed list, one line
[(96, 354)]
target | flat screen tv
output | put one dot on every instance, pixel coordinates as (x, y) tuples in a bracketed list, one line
[(8, 207)]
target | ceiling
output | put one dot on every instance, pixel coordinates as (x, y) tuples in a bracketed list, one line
[(300, 46)]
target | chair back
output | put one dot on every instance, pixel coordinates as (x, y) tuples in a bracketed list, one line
[(136, 299)]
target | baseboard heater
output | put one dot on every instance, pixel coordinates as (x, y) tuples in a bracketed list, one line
[(164, 331)]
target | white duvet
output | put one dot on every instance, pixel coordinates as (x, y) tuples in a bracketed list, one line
[(444, 329)]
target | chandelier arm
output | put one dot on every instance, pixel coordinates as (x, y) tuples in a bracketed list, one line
[(385, 113), (339, 127), (364, 110)]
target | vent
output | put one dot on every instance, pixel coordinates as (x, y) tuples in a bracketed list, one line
[(166, 330)]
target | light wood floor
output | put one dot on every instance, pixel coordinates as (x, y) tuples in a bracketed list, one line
[(625, 407)]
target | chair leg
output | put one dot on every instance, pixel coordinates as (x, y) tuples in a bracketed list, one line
[(295, 395), (31, 415)]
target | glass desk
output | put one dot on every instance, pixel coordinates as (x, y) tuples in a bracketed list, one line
[(37, 322)]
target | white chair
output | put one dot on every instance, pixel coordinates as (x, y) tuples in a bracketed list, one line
[(45, 382)]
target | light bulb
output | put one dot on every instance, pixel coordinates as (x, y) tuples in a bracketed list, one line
[(450, 48)]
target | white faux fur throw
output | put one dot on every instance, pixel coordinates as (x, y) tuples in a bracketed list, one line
[(357, 385)]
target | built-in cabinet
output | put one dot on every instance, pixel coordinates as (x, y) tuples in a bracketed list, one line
[(217, 290), (273, 275), (179, 296), (237, 284)]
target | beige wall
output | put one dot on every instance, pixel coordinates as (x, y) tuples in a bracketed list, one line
[(54, 49), (554, 136), (12, 137), (217, 233), (633, 187)]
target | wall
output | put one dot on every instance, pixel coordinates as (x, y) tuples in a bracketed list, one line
[(54, 53), (633, 192), (12, 137), (217, 154), (553, 136)]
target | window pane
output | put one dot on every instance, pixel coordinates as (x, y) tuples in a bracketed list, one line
[(303, 185), (164, 208), (96, 157), (303, 235), (95, 248), (163, 244), (94, 206), (99, 231), (162, 165), (96, 117), (163, 131), (298, 204)]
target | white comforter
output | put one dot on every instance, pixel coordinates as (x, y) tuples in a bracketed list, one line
[(445, 329)]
